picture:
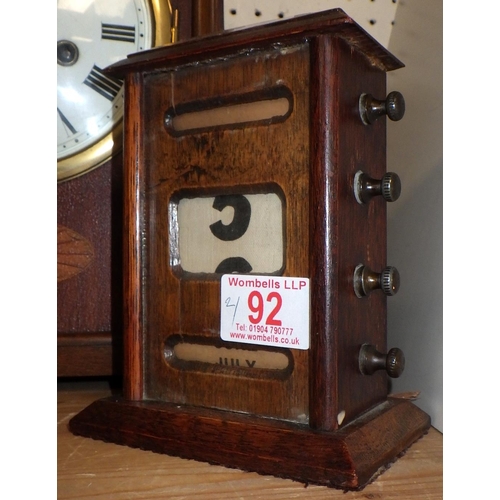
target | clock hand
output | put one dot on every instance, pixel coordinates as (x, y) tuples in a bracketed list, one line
[(66, 121)]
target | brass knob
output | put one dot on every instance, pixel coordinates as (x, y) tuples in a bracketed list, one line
[(365, 187), (370, 109), (371, 360), (366, 280)]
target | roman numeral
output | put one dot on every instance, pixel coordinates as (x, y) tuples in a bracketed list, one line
[(105, 85), (66, 121), (118, 32)]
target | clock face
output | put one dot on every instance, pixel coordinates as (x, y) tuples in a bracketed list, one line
[(91, 35)]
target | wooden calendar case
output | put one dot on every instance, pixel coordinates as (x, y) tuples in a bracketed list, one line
[(260, 152)]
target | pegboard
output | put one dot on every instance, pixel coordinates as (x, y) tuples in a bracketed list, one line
[(375, 16)]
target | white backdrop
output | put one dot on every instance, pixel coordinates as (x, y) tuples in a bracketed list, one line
[(412, 30), (376, 17)]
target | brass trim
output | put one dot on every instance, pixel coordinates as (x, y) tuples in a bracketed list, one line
[(92, 157), (162, 17)]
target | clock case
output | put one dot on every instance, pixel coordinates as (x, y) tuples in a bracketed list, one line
[(90, 305), (352, 429)]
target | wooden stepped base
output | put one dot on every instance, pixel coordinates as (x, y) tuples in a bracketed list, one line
[(348, 458)]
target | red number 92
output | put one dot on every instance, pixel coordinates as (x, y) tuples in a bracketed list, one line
[(256, 305)]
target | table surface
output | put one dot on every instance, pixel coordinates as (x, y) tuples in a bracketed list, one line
[(93, 469)]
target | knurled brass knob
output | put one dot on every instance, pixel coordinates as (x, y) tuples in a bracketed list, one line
[(366, 280), (371, 360), (370, 109), (365, 187)]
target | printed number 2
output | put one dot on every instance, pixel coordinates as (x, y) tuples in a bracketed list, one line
[(256, 305)]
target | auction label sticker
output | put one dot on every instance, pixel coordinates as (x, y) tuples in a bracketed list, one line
[(265, 310)]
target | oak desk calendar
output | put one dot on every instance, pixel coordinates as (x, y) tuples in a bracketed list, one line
[(256, 282)]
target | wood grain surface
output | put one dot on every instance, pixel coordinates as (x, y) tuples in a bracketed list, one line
[(310, 159), (94, 469), (89, 302)]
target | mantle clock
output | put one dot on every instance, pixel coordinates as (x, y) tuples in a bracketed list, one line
[(90, 164), (255, 266)]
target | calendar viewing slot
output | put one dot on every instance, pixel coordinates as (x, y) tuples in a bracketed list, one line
[(199, 354), (228, 233), (236, 111)]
